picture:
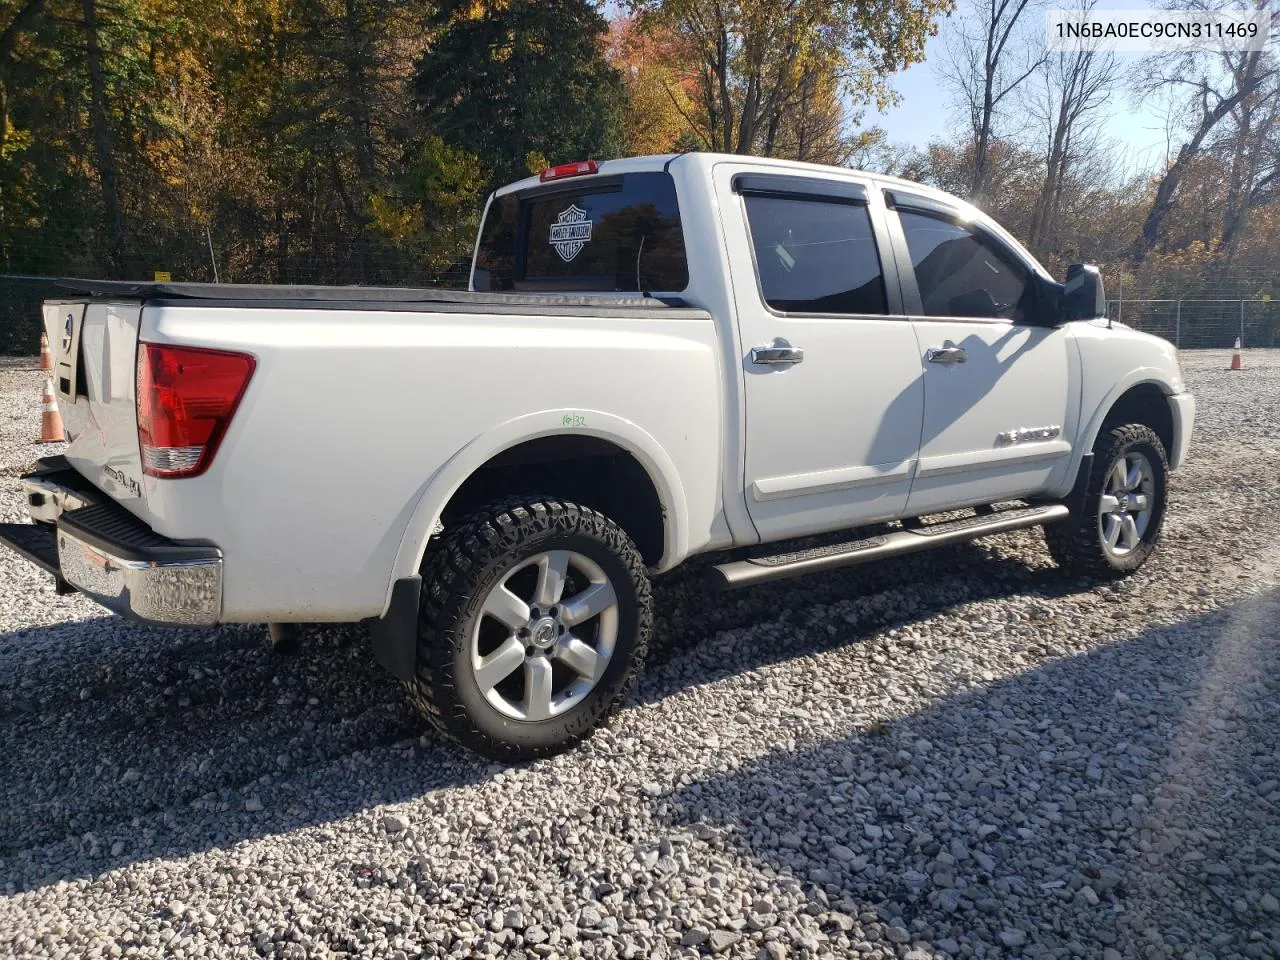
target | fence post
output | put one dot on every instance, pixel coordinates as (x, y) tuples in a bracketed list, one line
[(1177, 325), (1242, 322)]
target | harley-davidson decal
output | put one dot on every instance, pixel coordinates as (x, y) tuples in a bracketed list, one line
[(570, 232)]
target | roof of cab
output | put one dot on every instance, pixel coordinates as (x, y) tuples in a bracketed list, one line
[(662, 161)]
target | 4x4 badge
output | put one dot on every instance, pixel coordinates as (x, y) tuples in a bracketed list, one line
[(570, 232)]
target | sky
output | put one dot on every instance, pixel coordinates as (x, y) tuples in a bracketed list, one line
[(928, 112)]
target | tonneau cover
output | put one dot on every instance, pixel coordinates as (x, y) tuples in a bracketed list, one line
[(144, 290)]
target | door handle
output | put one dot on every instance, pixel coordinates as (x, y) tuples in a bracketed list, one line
[(778, 352), (948, 353)]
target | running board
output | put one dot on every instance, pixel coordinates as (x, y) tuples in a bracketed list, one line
[(742, 573)]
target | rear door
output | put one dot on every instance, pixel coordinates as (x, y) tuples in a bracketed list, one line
[(834, 398), (1001, 390)]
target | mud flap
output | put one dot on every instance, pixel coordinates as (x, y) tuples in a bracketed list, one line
[(1075, 499), (395, 635)]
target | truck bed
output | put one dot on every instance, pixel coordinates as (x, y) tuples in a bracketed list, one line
[(360, 402), (350, 297)]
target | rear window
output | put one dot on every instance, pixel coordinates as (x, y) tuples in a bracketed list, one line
[(605, 234)]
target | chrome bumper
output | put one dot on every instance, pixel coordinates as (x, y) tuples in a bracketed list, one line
[(91, 543), (183, 592)]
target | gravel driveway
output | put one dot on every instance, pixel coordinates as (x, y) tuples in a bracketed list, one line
[(951, 755)]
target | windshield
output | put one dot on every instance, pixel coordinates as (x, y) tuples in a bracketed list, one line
[(606, 234)]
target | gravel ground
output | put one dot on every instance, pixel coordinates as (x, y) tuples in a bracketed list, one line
[(952, 755)]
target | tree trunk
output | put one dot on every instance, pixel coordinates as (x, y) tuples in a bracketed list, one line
[(981, 146), (100, 122), (1166, 191), (357, 91), (726, 101), (1055, 169), (22, 21)]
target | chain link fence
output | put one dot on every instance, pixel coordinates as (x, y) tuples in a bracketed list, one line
[(1208, 312), (1203, 323), (335, 255)]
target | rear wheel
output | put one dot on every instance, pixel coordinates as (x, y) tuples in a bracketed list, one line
[(535, 621), (1119, 522)]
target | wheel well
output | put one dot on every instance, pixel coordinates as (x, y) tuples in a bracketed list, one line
[(586, 470), (1146, 404)]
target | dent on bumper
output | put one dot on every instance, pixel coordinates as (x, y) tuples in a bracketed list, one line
[(172, 592), (1183, 408)]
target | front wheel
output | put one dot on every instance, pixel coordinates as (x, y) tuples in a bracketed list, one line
[(1119, 521), (535, 621)]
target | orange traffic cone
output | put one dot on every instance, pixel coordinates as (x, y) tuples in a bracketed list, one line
[(1235, 357), (46, 358), (50, 418)]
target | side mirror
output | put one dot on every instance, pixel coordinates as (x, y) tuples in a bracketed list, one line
[(1082, 296)]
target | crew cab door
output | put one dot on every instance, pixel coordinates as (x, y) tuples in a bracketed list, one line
[(834, 399), (1001, 386)]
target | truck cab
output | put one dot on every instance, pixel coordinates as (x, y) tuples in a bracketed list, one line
[(888, 350)]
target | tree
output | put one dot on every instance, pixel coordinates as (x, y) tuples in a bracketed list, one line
[(769, 77), (1253, 174), (432, 213), (23, 19), (100, 123), (1074, 86), (653, 65), (523, 80), (1204, 98), (989, 57)]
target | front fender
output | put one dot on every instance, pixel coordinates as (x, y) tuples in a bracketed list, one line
[(435, 494), (1095, 414)]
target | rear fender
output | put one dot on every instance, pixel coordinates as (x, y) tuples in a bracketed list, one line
[(435, 494)]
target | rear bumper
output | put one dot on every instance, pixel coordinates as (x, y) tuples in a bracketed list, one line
[(112, 557)]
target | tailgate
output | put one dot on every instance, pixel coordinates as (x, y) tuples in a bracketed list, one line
[(94, 348)]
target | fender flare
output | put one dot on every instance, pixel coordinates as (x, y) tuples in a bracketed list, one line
[(435, 493), (1093, 426)]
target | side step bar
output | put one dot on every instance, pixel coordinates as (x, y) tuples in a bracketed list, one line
[(742, 573)]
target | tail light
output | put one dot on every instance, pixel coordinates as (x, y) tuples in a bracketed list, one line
[(186, 399)]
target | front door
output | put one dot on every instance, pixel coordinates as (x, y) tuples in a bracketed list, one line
[(999, 398), (834, 398)]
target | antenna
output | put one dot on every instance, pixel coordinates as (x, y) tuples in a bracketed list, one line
[(208, 236)]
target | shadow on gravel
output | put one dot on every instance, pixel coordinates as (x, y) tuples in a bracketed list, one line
[(136, 742), (1148, 771), (688, 613)]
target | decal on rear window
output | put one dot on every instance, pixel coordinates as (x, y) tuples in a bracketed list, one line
[(570, 232)]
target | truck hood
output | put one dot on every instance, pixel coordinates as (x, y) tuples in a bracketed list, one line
[(1117, 343)]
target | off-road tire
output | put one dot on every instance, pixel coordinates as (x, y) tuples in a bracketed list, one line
[(458, 573), (1076, 543)]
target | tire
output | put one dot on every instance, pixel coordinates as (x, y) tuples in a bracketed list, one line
[(1113, 536), (514, 687)]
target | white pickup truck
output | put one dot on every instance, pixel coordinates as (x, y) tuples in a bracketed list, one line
[(658, 357)]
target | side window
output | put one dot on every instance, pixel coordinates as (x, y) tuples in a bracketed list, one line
[(815, 256), (959, 273)]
